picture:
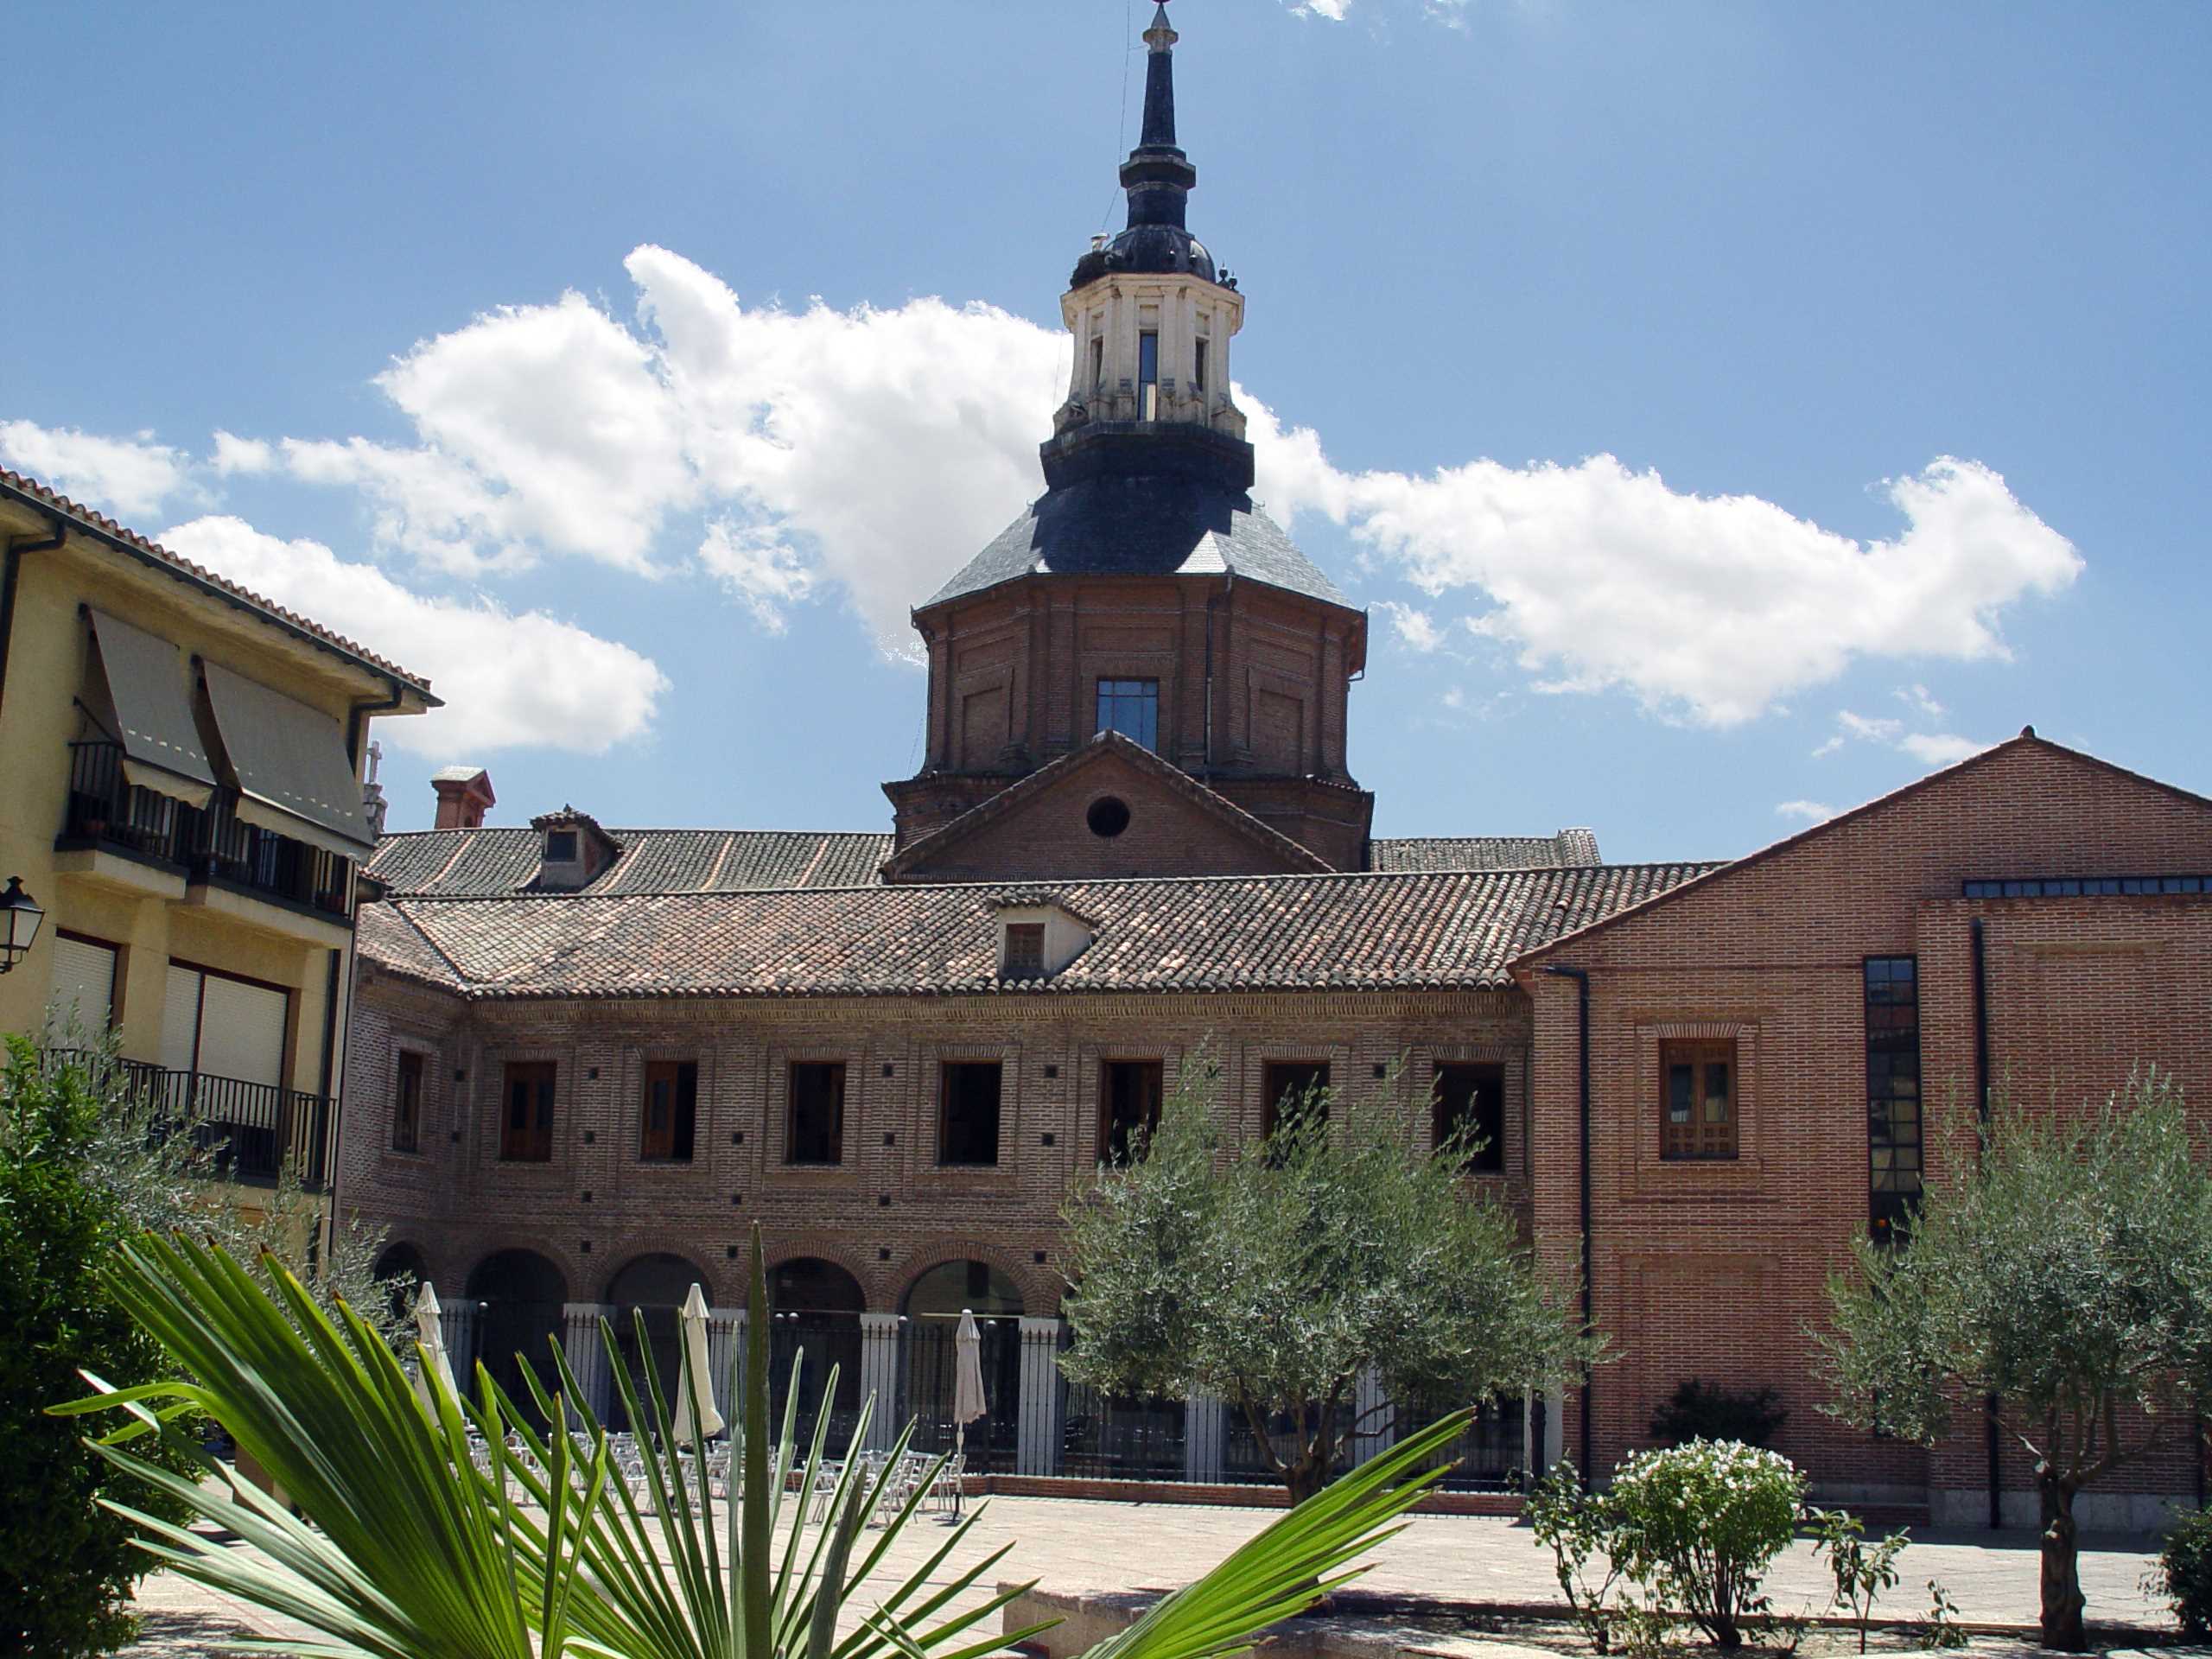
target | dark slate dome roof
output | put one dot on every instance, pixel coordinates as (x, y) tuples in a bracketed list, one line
[(1143, 525), (1147, 247)]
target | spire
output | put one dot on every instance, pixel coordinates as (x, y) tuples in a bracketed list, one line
[(1157, 176), (1160, 84)]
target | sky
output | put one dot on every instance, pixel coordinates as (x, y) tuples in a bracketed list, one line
[(1726, 413)]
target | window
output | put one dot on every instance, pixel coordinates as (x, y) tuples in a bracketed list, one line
[(1198, 370), (1098, 362), (1697, 1102), (1893, 1105), (1148, 377), (1128, 1105), (671, 1111), (816, 1132), (407, 1105), (1131, 708), (968, 1122), (83, 988), (560, 846), (1294, 1088), (1025, 950), (1471, 1102), (526, 1129)]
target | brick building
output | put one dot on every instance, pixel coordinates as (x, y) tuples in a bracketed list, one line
[(588, 1058)]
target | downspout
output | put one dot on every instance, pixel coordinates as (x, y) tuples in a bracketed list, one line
[(14, 558), (1993, 1443), (1228, 582), (1581, 978)]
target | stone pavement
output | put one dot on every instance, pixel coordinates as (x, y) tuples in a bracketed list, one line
[(1079, 1546)]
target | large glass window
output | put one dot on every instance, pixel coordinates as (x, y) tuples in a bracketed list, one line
[(1893, 1103), (1697, 1099), (526, 1129), (1131, 708), (968, 1124), (1148, 377), (671, 1115), (817, 1120), (1470, 1105)]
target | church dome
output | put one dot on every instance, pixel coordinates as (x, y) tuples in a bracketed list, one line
[(1147, 247)]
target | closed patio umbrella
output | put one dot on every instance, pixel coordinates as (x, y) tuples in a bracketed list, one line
[(429, 1331), (968, 1401), (696, 1372)]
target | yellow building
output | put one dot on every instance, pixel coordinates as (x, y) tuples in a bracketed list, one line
[(180, 792)]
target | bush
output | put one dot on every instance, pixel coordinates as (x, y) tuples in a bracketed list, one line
[(2184, 1573), (1698, 1525), (1700, 1411)]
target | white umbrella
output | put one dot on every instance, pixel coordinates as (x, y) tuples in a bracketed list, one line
[(430, 1332), (696, 1371), (968, 1401)]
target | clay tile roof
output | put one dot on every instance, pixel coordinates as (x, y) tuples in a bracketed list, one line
[(1567, 850), (30, 490), (1446, 930), (491, 862)]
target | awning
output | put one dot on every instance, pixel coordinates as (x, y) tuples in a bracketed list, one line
[(293, 776), (151, 698)]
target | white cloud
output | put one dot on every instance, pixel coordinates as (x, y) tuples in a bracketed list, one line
[(757, 566), (1331, 10), (1414, 626), (1919, 698), (234, 455), (1939, 748), (508, 681), (1869, 729), (126, 476), (1810, 811), (1828, 747)]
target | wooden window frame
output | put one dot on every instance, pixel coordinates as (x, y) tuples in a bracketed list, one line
[(1489, 1158), (413, 1067), (945, 1069), (677, 1142), (1028, 961), (531, 1143), (836, 1136), (1149, 1118), (1701, 1138)]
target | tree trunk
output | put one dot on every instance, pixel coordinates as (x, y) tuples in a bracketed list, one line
[(1303, 1479), (2062, 1600)]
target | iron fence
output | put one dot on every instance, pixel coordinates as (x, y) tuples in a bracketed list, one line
[(252, 1129), (927, 1371)]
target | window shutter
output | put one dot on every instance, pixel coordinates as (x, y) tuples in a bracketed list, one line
[(84, 987), (180, 1018), (242, 1031)]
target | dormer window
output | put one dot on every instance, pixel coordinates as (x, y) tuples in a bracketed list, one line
[(560, 847), (1038, 936), (1148, 375), (1024, 951), (575, 850)]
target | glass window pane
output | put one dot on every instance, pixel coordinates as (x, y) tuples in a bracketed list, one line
[(1678, 1081)]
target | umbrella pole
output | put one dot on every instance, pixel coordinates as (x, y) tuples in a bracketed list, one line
[(960, 1462)]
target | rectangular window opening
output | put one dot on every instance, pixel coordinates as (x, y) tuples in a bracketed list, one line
[(1148, 375), (1293, 1088), (1894, 1120), (1024, 951), (1470, 1103), (1131, 708), (560, 847), (1129, 1107), (1698, 1099), (526, 1128), (1198, 369), (968, 1119), (670, 1110), (407, 1104), (1097, 363), (817, 1133)]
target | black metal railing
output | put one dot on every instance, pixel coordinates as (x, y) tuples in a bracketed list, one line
[(209, 844), (928, 1373), (253, 1129)]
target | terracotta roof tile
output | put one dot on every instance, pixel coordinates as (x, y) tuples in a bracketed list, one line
[(489, 863), (1567, 848)]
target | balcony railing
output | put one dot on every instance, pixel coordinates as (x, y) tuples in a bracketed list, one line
[(252, 1129), (210, 843)]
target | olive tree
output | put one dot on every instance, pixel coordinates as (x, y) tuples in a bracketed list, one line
[(1273, 1275), (2059, 1275)]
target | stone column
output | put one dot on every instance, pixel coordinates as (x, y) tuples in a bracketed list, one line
[(1037, 1446), (1555, 1426), (1375, 1426), (880, 1378), (582, 1346), (1205, 1437), (726, 1361)]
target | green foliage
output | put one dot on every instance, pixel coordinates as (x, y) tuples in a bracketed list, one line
[(71, 1564), (2062, 1264), (1861, 1572), (2184, 1574), (1576, 1526), (1941, 1629), (408, 1551), (1699, 1410), (1274, 1276), (1699, 1524)]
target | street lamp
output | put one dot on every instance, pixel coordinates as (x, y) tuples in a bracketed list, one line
[(19, 920)]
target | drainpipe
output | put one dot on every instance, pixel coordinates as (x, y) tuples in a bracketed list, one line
[(15, 551), (1581, 978), (1228, 582), (1993, 1448)]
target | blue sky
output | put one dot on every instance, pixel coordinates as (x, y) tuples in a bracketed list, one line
[(1726, 411)]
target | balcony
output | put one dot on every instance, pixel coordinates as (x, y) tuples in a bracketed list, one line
[(252, 1129), (207, 846)]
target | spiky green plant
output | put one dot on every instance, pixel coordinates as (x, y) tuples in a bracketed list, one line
[(408, 1551)]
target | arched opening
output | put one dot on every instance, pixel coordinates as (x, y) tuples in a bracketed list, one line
[(929, 1373), (814, 1310), (655, 1285), (519, 1296), (400, 1270)]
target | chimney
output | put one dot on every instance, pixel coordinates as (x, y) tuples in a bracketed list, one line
[(463, 794), (374, 804)]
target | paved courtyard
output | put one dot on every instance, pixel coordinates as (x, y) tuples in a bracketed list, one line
[(1081, 1547)]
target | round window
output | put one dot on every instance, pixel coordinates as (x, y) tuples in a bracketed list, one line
[(1107, 816)]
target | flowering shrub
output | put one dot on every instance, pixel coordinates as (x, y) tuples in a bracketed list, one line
[(1700, 1523), (2184, 1573)]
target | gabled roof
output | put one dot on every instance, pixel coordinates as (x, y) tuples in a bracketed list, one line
[(1107, 745), (1440, 931), (490, 862), (1567, 849), (1941, 775), (102, 528), (1142, 525)]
